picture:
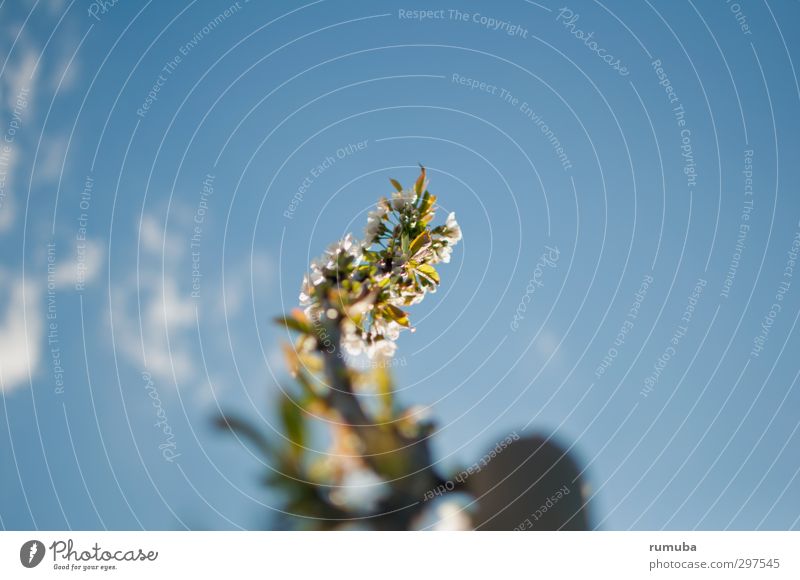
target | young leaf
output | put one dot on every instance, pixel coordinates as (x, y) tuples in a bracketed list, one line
[(396, 184), (399, 316), (426, 203), (420, 181), (419, 242), (428, 271), (296, 321)]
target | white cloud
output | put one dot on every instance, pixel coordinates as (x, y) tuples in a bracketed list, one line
[(66, 274), (157, 331), (18, 77), (547, 343), (55, 7), (50, 158), (238, 290), (20, 336), (66, 74), (16, 85), (142, 335), (151, 234), (6, 198)]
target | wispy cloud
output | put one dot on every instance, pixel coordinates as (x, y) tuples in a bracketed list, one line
[(86, 270), (16, 84), (50, 159), (21, 334), (157, 330), (157, 336)]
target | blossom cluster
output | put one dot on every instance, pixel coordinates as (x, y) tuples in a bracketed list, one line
[(365, 284)]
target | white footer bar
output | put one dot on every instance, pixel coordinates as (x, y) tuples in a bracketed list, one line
[(388, 555)]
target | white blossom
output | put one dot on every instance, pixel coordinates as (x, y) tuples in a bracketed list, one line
[(305, 292), (392, 275), (390, 329), (381, 349), (442, 253), (453, 229), (347, 245), (326, 265), (451, 517), (316, 271), (351, 339), (403, 199), (374, 220), (373, 228), (401, 299)]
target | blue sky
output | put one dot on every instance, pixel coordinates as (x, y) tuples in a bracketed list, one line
[(536, 134)]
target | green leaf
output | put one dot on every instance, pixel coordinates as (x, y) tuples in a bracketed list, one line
[(404, 243), (296, 321), (426, 203), (420, 181), (293, 424), (419, 242), (429, 271), (247, 430), (399, 316), (396, 184)]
